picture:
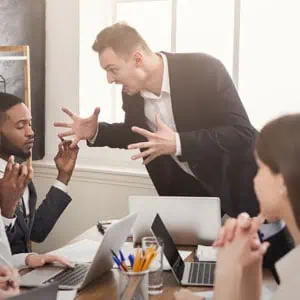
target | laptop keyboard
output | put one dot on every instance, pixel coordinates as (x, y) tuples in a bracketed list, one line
[(202, 273), (70, 277)]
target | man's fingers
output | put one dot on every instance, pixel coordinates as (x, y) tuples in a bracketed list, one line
[(143, 132), (140, 145), (149, 159), (30, 174), (96, 112), (143, 154), (69, 113), (74, 143), (9, 167), (53, 258), (62, 124), (15, 171), (66, 133), (23, 176)]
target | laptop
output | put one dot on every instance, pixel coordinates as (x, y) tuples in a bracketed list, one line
[(83, 274), (190, 220), (186, 273), (48, 292)]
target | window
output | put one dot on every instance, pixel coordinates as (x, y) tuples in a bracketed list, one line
[(269, 58)]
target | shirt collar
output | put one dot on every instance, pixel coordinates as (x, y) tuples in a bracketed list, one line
[(2, 165), (165, 82), (286, 266)]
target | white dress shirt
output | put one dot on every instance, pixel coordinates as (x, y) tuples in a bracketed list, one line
[(162, 104)]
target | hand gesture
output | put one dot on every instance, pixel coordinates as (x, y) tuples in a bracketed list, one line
[(34, 260), (9, 282), (82, 128), (240, 243), (12, 185), (161, 142), (65, 160)]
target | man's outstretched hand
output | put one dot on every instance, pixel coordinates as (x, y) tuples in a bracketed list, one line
[(81, 128)]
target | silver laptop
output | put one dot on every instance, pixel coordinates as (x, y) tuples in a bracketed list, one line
[(84, 274), (190, 220), (48, 292), (186, 273)]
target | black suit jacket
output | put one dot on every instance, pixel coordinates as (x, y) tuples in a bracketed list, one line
[(41, 220), (217, 138)]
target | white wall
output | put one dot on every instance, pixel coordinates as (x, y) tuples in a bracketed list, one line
[(99, 187)]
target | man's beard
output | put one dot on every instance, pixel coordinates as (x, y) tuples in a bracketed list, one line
[(6, 147)]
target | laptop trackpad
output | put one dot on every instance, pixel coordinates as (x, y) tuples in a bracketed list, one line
[(39, 275)]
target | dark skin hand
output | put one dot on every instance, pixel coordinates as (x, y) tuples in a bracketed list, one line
[(12, 185), (65, 160)]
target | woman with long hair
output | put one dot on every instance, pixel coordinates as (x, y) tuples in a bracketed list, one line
[(238, 274)]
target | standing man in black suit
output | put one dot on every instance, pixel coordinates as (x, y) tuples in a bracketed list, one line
[(183, 112), (23, 222)]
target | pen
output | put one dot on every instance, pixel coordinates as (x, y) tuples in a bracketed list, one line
[(131, 259), (122, 258), (117, 262), (122, 264)]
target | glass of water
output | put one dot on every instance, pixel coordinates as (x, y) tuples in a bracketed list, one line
[(156, 266)]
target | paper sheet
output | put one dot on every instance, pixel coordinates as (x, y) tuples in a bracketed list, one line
[(265, 295), (206, 253), (66, 295), (80, 252), (128, 249)]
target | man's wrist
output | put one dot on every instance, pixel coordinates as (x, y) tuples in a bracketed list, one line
[(64, 177)]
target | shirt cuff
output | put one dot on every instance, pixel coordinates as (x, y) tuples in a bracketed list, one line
[(18, 260), (93, 139), (61, 186), (178, 144), (9, 222)]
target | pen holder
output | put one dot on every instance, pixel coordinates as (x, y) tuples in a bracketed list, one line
[(134, 285)]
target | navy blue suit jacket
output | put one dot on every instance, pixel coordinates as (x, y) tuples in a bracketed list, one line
[(41, 220)]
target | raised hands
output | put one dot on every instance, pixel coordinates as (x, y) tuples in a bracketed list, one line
[(65, 160), (161, 142), (81, 128), (12, 185)]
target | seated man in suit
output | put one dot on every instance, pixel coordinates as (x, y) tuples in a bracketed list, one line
[(23, 222)]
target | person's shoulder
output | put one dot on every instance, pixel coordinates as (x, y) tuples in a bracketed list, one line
[(201, 56)]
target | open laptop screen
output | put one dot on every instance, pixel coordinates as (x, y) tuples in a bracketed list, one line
[(170, 251)]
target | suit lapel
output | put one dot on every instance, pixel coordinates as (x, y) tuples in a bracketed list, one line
[(179, 91), (32, 204), (21, 221)]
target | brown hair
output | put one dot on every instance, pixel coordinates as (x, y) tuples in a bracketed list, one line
[(122, 38), (278, 146)]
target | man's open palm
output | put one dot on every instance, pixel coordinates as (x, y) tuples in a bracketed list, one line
[(81, 128)]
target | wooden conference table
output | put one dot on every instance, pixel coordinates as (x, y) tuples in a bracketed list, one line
[(107, 286)]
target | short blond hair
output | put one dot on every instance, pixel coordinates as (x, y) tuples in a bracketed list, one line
[(122, 38)]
